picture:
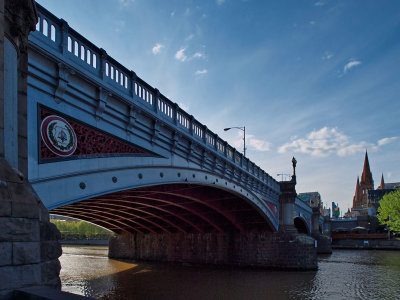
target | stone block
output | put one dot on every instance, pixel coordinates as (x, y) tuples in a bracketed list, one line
[(25, 210), (43, 212), (7, 173), (25, 205), (5, 207), (5, 253), (26, 253), (19, 229), (49, 232), (50, 250), (50, 270), (12, 277)]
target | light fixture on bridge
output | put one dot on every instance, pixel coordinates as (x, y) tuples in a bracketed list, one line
[(244, 137)]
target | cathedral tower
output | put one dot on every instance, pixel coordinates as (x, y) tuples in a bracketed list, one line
[(362, 187)]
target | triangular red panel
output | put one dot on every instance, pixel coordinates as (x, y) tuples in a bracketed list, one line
[(91, 142)]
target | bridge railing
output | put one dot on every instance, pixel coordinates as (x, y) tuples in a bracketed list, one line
[(55, 33)]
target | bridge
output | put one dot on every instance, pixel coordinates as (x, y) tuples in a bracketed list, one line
[(97, 143), (106, 147)]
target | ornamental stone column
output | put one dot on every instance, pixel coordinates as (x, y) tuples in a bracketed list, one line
[(29, 247), (286, 202)]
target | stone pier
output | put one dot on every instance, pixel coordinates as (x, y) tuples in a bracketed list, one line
[(323, 241), (253, 249)]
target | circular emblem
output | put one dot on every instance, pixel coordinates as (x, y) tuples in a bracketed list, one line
[(58, 135)]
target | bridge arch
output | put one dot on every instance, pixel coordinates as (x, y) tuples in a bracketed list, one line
[(170, 207), (301, 225)]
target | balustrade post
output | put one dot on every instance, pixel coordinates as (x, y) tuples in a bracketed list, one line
[(103, 56), (64, 37), (191, 124), (175, 113), (132, 77), (205, 134), (216, 142), (226, 149), (156, 100)]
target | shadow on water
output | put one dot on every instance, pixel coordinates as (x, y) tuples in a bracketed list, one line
[(163, 281)]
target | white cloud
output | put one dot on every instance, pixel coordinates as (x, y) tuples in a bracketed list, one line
[(220, 2), (327, 141), (198, 55), (312, 22), (172, 13), (319, 3), (125, 3), (156, 49), (201, 72), (251, 143), (257, 144), (180, 54), (351, 64), (119, 26), (385, 141), (389, 175), (327, 55), (190, 37)]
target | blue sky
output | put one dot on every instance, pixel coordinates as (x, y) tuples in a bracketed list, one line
[(315, 79)]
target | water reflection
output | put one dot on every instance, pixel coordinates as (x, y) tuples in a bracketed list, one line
[(342, 275)]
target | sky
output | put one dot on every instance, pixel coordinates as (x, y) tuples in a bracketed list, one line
[(318, 80)]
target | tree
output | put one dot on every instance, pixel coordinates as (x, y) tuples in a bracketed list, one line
[(389, 211)]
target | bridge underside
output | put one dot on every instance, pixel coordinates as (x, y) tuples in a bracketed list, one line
[(169, 208)]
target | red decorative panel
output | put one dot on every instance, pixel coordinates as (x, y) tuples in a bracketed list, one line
[(90, 141), (273, 208)]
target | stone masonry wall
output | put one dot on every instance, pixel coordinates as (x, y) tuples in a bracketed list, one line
[(254, 249), (29, 247)]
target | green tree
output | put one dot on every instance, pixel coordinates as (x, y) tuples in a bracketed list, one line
[(389, 211)]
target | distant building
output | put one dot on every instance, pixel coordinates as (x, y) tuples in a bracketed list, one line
[(335, 210), (313, 199), (374, 196), (366, 198), (360, 199)]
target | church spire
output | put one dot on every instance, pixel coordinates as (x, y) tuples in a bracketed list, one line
[(382, 185), (356, 198), (366, 177)]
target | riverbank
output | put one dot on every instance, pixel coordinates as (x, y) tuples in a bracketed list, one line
[(85, 242), (367, 244)]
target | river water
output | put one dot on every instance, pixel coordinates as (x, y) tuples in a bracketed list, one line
[(346, 274)]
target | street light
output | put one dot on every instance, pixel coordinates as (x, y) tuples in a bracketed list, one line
[(244, 137)]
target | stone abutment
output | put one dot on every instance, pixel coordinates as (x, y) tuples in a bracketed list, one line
[(253, 249)]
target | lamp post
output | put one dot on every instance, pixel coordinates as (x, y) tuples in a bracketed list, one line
[(244, 137)]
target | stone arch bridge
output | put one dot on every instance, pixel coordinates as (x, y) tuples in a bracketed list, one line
[(106, 147)]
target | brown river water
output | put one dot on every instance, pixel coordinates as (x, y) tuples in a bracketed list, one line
[(346, 274)]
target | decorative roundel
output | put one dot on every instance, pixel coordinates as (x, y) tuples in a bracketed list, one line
[(58, 135)]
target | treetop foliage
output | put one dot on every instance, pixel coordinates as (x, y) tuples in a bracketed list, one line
[(389, 211)]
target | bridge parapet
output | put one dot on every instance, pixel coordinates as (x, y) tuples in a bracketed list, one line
[(75, 52)]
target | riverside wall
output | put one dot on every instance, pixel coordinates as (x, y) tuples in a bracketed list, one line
[(280, 250)]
